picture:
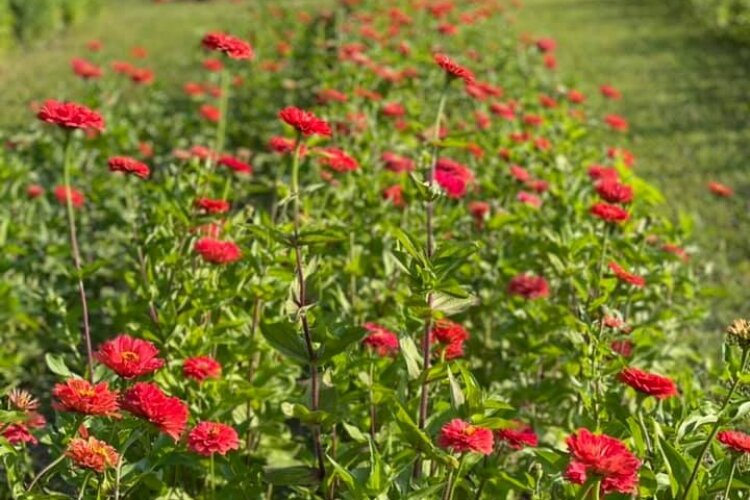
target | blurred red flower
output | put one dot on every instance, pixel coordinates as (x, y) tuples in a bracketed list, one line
[(304, 122), (211, 206), (146, 400), (397, 163), (200, 368), (617, 122), (235, 164), (720, 190), (648, 383), (603, 456), (462, 437), (80, 396), (453, 69), (92, 454), (208, 438), (529, 286), (735, 440), (394, 194), (70, 115), (62, 193), (129, 357), (453, 177), (613, 191), (518, 436), (609, 213), (610, 92), (128, 165), (337, 160), (233, 47), (381, 340), (217, 251), (85, 69), (625, 276)]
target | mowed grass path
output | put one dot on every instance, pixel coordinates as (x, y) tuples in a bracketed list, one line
[(687, 97), (171, 33)]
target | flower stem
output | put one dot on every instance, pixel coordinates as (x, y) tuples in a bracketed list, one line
[(715, 428), (424, 401), (44, 471), (301, 303), (725, 496), (212, 479), (450, 487), (373, 411), (76, 252)]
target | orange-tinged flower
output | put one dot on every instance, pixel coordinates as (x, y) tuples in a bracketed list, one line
[(92, 454), (462, 437), (129, 357), (603, 456), (200, 368), (81, 396)]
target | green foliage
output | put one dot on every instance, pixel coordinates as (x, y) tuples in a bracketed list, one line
[(37, 20)]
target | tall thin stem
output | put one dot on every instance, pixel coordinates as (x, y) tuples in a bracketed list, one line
[(44, 471), (301, 303), (424, 401), (725, 496), (76, 252), (715, 428)]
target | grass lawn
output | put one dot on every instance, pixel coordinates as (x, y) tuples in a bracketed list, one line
[(687, 97)]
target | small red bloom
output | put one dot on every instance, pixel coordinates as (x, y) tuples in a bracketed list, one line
[(453, 69), (142, 76), (210, 113), (451, 335), (603, 173), (122, 67), (505, 111), (616, 122), (211, 206), (720, 190), (610, 92), (128, 165), (479, 210), (735, 440), (92, 454), (623, 275), (546, 44), (550, 62), (283, 145), (627, 157), (576, 97), (217, 251), (622, 347), (233, 47), (397, 163), (138, 52), (85, 69), (62, 193), (529, 287), (235, 164), (613, 191), (129, 357), (394, 109), (529, 199), (520, 173), (80, 396), (326, 96), (305, 122), (200, 368), (609, 213), (70, 115), (453, 177), (518, 436), (676, 250), (94, 45), (213, 64), (17, 434), (381, 340), (34, 191), (208, 438), (147, 401), (648, 383), (394, 194), (337, 160), (462, 437), (603, 456)]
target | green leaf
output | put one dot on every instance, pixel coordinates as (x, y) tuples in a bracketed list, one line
[(457, 395), (57, 365), (284, 337), (409, 245), (412, 357), (291, 476)]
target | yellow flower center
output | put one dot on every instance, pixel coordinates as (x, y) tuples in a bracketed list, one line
[(129, 356), (470, 430)]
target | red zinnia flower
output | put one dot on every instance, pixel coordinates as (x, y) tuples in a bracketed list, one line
[(616, 122), (217, 251), (336, 159), (92, 454), (395, 194), (625, 276), (210, 113), (122, 67), (610, 92), (603, 173), (381, 340), (200, 368), (518, 436), (550, 62), (397, 163), (208, 438), (305, 122), (139, 52), (129, 357), (233, 47), (720, 190), (211, 206), (85, 69), (213, 64), (613, 191), (648, 383), (603, 456), (576, 97), (394, 109), (453, 177), (142, 76), (94, 45), (283, 145), (453, 69), (622, 347), (529, 199), (80, 396), (452, 336), (147, 401), (546, 44), (17, 434), (735, 440), (529, 287), (331, 95), (62, 193), (128, 165), (235, 164), (70, 115), (461, 437), (609, 213), (34, 191), (479, 210)]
